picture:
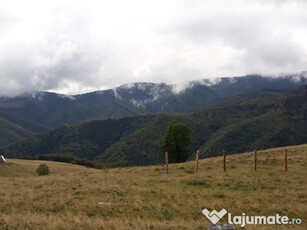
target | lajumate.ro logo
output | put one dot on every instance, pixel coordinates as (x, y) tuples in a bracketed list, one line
[(243, 220)]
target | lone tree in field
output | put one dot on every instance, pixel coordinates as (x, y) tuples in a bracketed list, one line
[(176, 140)]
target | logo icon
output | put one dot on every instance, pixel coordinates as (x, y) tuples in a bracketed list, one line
[(214, 216)]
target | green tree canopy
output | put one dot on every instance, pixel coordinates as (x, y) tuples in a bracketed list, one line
[(176, 140)]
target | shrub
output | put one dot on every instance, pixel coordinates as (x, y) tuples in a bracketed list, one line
[(42, 169)]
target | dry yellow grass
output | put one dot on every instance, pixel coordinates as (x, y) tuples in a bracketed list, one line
[(75, 197)]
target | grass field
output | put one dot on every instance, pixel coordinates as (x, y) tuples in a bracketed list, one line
[(75, 197)]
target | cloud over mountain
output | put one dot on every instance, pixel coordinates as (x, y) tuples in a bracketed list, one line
[(80, 46)]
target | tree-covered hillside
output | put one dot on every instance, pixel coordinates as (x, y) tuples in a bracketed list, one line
[(11, 132), (43, 111), (243, 125)]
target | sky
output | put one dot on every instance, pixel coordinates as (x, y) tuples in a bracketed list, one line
[(77, 46)]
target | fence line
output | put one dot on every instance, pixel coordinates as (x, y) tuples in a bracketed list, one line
[(166, 162), (196, 161), (224, 160), (255, 160), (286, 160)]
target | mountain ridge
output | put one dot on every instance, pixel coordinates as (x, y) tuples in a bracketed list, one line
[(244, 125), (43, 111)]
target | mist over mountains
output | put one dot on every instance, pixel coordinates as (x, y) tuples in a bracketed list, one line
[(42, 111)]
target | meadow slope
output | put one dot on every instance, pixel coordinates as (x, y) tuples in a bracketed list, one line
[(75, 197)]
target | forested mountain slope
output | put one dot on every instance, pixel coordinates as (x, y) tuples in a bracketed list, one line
[(243, 125), (42, 111)]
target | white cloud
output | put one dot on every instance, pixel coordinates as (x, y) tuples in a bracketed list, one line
[(78, 46)]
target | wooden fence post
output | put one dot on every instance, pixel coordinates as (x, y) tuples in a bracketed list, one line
[(286, 159), (255, 160), (196, 162), (166, 162), (224, 160)]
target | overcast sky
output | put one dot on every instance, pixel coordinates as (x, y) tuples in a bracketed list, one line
[(79, 46)]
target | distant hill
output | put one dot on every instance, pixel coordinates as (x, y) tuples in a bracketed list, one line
[(10, 132), (51, 110), (241, 124)]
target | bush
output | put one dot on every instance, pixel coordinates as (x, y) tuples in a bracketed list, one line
[(42, 169)]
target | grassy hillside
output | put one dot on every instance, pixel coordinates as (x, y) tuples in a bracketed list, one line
[(14, 168), (75, 197)]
